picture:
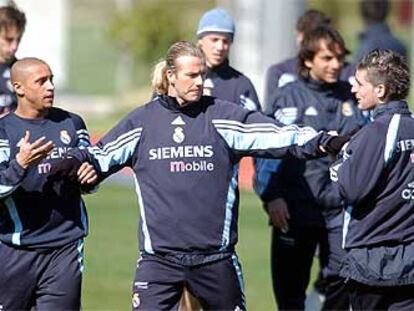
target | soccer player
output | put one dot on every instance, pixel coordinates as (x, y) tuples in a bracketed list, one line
[(12, 26), (296, 192), (184, 165), (215, 33), (42, 216), (377, 34), (375, 177), (280, 74)]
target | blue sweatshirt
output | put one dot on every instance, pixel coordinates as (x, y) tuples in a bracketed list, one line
[(226, 83), (287, 71), (375, 176), (185, 164), (7, 95), (36, 211), (305, 184)]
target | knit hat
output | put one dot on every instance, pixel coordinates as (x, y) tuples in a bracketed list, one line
[(216, 20)]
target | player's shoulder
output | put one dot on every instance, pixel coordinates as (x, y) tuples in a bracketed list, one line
[(286, 66), (62, 116), (291, 89), (238, 75), (223, 109), (59, 114)]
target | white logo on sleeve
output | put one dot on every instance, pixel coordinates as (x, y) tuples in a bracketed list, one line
[(286, 115), (247, 103), (408, 193), (286, 78)]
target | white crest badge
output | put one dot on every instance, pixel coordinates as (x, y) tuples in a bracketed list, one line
[(347, 110), (136, 301), (178, 135), (65, 137)]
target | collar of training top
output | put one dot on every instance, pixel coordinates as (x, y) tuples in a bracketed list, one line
[(191, 109), (391, 108)]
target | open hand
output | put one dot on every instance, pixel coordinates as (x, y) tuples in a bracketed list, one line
[(32, 153)]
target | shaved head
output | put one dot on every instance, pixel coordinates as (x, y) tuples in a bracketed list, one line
[(32, 81), (23, 67)]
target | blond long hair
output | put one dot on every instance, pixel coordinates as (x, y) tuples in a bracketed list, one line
[(159, 80)]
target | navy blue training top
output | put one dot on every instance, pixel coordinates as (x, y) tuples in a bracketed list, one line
[(36, 211)]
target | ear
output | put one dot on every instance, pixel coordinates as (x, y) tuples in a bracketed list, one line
[(308, 64), (18, 88), (380, 91), (171, 76)]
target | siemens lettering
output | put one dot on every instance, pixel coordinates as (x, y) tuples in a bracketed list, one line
[(176, 152)]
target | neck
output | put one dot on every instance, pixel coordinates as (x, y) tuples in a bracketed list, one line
[(173, 93), (30, 113)]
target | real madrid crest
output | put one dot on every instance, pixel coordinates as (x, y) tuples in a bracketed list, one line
[(347, 110), (178, 135), (136, 301), (65, 137)]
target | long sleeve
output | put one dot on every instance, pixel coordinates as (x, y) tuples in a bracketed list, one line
[(267, 180), (359, 170), (11, 173), (268, 183), (114, 150), (261, 136)]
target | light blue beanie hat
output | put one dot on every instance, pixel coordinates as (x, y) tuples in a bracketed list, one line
[(216, 20)]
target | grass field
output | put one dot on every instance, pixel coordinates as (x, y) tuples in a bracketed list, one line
[(111, 250)]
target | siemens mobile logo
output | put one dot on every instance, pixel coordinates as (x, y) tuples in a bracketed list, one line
[(185, 158), (56, 153), (176, 152), (405, 145)]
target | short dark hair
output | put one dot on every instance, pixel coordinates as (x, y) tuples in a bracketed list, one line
[(311, 19), (374, 11), (11, 16), (390, 69), (312, 43)]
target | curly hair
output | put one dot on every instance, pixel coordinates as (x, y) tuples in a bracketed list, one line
[(390, 69)]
